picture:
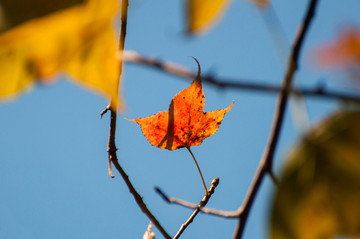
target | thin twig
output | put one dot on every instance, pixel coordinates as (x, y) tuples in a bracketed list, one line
[(137, 197), (267, 159), (273, 177), (111, 143), (110, 169), (202, 204), (181, 71), (104, 111), (113, 157), (190, 205)]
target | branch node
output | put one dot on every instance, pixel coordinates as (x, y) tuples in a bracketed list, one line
[(111, 149), (273, 177)]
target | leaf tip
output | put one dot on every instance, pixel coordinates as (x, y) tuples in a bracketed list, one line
[(230, 107), (198, 75), (132, 120)]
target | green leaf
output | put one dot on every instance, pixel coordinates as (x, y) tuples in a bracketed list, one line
[(319, 193)]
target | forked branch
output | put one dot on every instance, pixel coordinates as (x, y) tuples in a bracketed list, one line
[(202, 204), (136, 195), (267, 158), (190, 205)]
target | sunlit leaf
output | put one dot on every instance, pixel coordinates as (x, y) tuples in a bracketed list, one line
[(343, 52), (185, 124), (201, 14), (79, 41), (319, 193)]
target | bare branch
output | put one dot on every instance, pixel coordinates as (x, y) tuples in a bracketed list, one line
[(111, 143), (202, 204), (181, 71), (136, 195), (113, 158), (190, 205), (267, 158)]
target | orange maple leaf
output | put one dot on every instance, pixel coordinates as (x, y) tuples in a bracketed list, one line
[(185, 124)]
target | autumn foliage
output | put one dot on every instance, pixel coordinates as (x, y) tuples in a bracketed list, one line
[(343, 52), (202, 14), (317, 194), (185, 124), (78, 41)]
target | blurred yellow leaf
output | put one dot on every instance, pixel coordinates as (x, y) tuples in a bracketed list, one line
[(201, 14), (319, 193), (79, 41)]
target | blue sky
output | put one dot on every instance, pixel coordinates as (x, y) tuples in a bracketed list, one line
[(53, 168)]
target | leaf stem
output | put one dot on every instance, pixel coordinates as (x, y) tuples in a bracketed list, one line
[(197, 165)]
